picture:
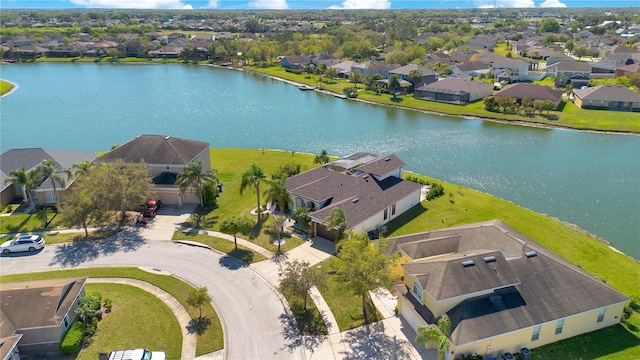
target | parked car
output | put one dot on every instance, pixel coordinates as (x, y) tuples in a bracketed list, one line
[(23, 243), (137, 354), (151, 207)]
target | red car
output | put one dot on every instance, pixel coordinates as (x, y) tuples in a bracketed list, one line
[(151, 207)]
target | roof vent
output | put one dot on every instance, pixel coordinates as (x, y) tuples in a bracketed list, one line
[(531, 254), (366, 176), (387, 159), (167, 137), (468, 263), (354, 200), (489, 259)]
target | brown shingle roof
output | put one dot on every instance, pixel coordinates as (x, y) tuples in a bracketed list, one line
[(156, 149), (381, 165), (607, 93), (532, 91)]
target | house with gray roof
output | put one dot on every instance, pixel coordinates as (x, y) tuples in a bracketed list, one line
[(607, 97), (35, 315), (576, 73), (166, 157), (452, 90), (501, 290), (428, 76), (369, 190), (534, 92), (30, 158)]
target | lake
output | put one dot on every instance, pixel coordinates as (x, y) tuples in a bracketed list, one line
[(588, 179)]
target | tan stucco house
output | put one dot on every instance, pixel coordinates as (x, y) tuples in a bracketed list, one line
[(502, 291), (607, 97), (36, 315), (165, 156), (368, 188)]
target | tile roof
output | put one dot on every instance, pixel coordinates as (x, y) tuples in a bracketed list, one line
[(545, 286), (156, 149), (532, 91), (607, 93)]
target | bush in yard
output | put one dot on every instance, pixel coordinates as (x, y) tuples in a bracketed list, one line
[(73, 339), (95, 298)]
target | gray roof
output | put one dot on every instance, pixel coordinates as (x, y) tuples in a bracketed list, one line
[(575, 66), (456, 86), (607, 93), (531, 284), (381, 165), (31, 157), (358, 194), (531, 91), (156, 149), (405, 70)]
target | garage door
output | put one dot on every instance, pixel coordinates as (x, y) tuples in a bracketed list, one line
[(326, 233)]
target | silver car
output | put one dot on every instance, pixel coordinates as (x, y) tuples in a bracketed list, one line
[(23, 243)]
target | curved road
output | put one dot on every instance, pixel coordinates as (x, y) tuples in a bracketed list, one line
[(251, 311)]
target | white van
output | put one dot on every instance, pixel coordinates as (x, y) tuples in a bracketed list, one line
[(137, 354)]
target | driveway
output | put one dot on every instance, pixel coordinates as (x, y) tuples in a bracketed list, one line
[(251, 310)]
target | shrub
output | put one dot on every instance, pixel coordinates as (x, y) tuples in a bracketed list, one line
[(91, 328), (73, 339), (94, 298)]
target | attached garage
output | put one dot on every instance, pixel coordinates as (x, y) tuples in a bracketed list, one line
[(325, 232)]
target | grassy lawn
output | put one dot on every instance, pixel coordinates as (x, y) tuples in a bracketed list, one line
[(345, 306), (5, 87), (20, 223), (211, 340), (310, 322), (245, 254), (120, 329)]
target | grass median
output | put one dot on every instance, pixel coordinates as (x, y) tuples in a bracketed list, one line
[(245, 254)]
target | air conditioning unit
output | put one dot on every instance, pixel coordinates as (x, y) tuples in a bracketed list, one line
[(508, 356), (525, 354)]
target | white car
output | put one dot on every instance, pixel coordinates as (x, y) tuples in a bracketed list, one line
[(23, 243), (137, 354)]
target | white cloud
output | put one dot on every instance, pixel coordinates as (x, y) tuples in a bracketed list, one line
[(212, 4), (506, 3), (133, 4), (552, 3), (269, 4), (363, 4)]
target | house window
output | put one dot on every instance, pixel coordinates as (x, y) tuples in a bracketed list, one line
[(590, 102), (559, 326), (601, 315), (601, 102), (386, 214), (66, 322), (393, 209), (536, 333), (417, 290), (51, 196)]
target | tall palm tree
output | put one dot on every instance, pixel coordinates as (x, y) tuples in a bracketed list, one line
[(48, 170), (25, 180), (82, 167), (194, 177), (252, 177), (278, 193), (337, 221), (437, 336), (321, 158)]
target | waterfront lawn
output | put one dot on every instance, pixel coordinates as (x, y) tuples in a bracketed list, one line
[(245, 254), (345, 306), (5, 87), (211, 340), (231, 164), (120, 329)]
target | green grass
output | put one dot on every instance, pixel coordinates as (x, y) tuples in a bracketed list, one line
[(5, 87), (310, 322), (20, 223), (345, 306), (211, 340), (243, 253), (122, 328)]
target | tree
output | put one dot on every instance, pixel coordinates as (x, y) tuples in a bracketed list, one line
[(252, 177), (506, 103), (199, 297), (48, 170), (415, 78), (549, 25), (301, 216), (25, 180), (336, 220), (355, 78), (321, 158), (277, 193), (394, 85), (491, 104), (331, 73), (437, 336), (548, 105), (580, 51), (43, 214), (236, 225), (278, 228), (194, 177), (363, 267), (88, 308), (82, 167), (298, 278)]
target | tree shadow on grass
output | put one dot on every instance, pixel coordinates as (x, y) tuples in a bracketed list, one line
[(243, 255), (81, 251), (198, 325), (371, 342), (293, 338)]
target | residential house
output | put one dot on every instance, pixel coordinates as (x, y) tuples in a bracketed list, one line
[(473, 68), (628, 69), (482, 42), (374, 67), (603, 67), (165, 156), (515, 69), (203, 40), (453, 90), (575, 73), (428, 76), (323, 58), (295, 62), (368, 188), (132, 48), (344, 68), (30, 158), (39, 313), (501, 290), (534, 92), (607, 97)]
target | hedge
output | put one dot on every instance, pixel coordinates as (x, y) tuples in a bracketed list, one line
[(73, 339)]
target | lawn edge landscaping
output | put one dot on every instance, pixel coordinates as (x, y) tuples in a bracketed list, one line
[(224, 246)]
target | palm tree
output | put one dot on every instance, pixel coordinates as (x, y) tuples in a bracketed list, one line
[(394, 85), (437, 336), (355, 78), (82, 167), (25, 180), (252, 177), (48, 170), (195, 177), (337, 221), (199, 297), (321, 158), (277, 193)]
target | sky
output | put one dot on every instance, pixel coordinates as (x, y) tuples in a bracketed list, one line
[(307, 4)]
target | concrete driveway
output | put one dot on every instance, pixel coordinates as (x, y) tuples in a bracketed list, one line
[(251, 310)]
